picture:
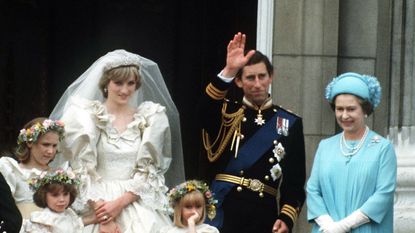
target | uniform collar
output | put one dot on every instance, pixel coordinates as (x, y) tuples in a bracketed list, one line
[(267, 104)]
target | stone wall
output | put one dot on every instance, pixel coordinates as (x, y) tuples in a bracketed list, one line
[(316, 40)]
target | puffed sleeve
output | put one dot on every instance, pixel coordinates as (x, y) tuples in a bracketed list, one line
[(39, 222), (153, 158), (7, 166), (79, 144), (378, 205)]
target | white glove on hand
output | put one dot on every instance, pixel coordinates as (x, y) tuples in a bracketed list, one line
[(355, 219), (335, 227), (352, 221), (324, 220)]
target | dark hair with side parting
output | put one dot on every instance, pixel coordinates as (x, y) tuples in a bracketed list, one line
[(39, 197), (258, 57)]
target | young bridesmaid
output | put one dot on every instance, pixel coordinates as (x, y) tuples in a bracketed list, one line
[(55, 192), (191, 201), (36, 148)]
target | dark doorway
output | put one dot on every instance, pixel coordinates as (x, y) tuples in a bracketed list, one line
[(46, 45)]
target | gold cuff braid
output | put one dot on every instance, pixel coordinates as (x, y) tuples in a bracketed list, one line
[(290, 212)]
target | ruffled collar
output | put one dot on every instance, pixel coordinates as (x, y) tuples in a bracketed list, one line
[(104, 121)]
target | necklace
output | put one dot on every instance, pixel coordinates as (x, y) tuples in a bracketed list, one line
[(353, 149)]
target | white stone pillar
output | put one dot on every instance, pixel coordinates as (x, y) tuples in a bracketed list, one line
[(402, 114), (404, 212)]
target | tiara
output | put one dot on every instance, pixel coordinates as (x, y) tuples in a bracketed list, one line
[(124, 59), (32, 134), (176, 193), (58, 176)]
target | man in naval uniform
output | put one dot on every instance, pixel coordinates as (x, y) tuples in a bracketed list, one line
[(254, 149)]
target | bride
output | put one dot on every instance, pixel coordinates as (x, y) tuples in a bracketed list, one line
[(120, 142)]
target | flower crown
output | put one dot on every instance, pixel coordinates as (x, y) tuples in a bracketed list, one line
[(176, 193), (32, 134), (58, 176)]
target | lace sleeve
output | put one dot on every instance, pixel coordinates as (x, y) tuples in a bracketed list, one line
[(153, 158)]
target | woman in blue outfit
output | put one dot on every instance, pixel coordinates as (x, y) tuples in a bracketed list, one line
[(353, 179)]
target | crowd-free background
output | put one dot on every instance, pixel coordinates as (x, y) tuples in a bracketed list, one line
[(46, 44)]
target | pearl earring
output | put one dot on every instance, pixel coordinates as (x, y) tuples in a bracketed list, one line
[(365, 115), (105, 90)]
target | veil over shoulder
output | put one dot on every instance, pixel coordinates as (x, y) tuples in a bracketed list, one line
[(153, 88)]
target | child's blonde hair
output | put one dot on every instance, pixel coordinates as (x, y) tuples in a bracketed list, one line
[(193, 192), (194, 198)]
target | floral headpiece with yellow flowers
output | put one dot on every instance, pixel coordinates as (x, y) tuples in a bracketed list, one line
[(58, 176), (31, 134), (176, 193)]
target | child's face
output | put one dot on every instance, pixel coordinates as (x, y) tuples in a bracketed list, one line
[(44, 150), (58, 201), (192, 209)]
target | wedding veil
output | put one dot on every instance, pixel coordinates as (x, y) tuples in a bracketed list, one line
[(153, 88)]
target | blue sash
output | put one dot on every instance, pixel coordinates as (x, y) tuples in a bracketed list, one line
[(248, 154)]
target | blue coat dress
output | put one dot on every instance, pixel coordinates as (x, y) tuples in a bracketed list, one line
[(339, 185)]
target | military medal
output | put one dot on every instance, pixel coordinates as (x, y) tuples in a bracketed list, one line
[(282, 126), (259, 120)]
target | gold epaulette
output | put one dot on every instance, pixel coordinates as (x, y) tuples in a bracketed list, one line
[(231, 123), (214, 92)]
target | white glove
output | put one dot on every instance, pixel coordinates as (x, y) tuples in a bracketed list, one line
[(355, 219), (352, 221), (324, 220), (335, 227)]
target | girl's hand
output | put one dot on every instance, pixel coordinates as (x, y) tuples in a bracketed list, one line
[(90, 219), (191, 221)]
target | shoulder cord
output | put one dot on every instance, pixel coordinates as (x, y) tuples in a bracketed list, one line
[(230, 123)]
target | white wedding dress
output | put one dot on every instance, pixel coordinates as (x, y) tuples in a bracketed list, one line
[(111, 163)]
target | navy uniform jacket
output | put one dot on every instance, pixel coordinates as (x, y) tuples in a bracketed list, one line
[(245, 208), (10, 217)]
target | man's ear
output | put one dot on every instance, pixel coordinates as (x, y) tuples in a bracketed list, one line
[(238, 82), (29, 145)]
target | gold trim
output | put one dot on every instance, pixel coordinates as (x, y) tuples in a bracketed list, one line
[(253, 184), (231, 126), (214, 92), (289, 214), (290, 211)]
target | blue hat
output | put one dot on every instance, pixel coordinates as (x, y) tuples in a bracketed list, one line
[(364, 86)]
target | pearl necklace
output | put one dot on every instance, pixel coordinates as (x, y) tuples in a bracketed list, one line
[(354, 149)]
